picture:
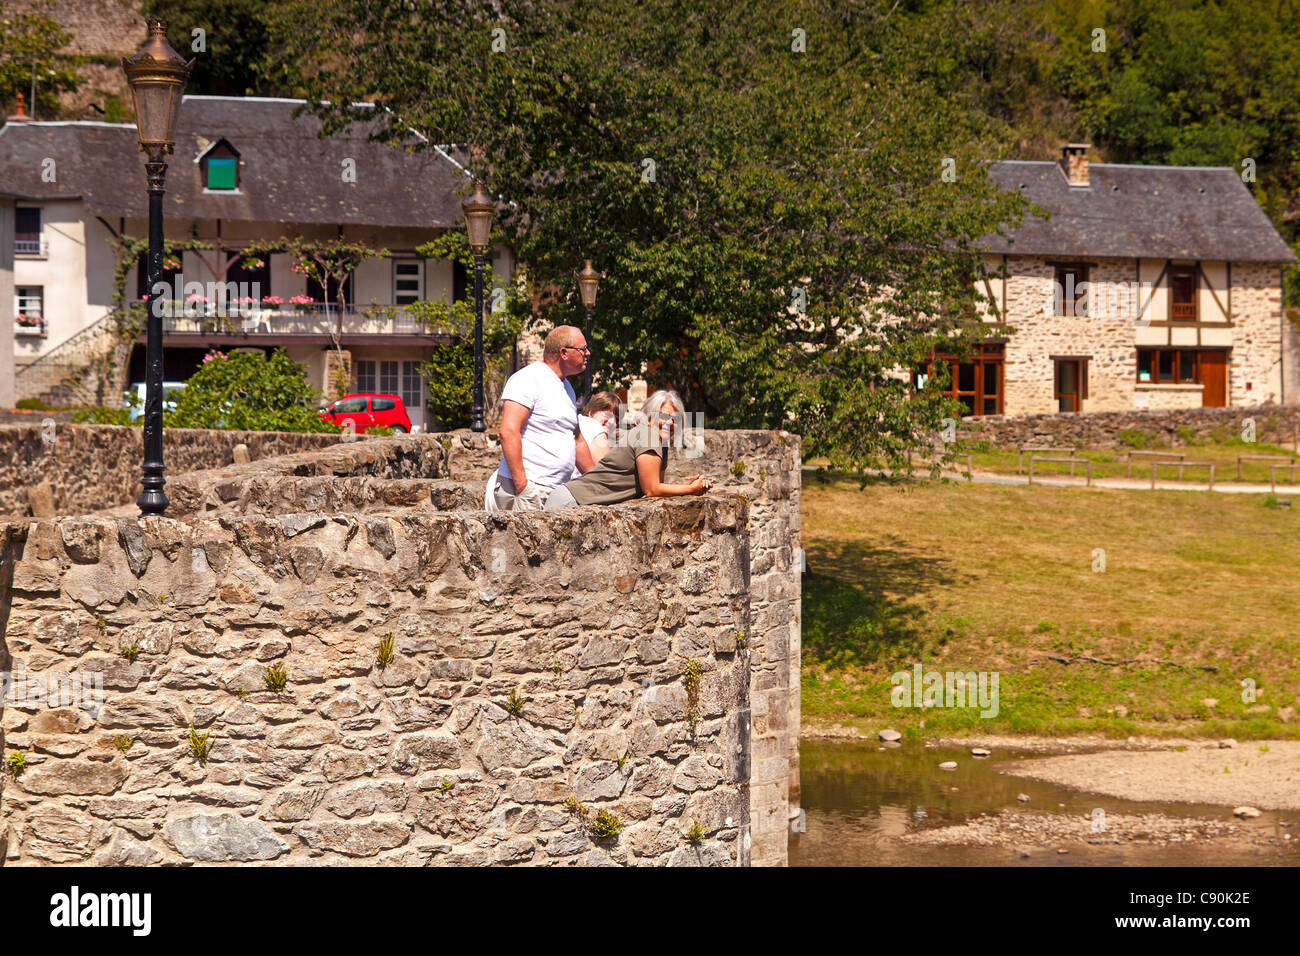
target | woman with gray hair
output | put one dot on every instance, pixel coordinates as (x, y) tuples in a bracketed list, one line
[(635, 467)]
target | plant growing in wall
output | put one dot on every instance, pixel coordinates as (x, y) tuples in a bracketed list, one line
[(131, 651), (275, 677), (16, 764), (606, 826), (696, 833), (387, 652), (514, 703), (123, 743), (578, 810), (445, 786), (737, 468), (200, 744), (691, 682)]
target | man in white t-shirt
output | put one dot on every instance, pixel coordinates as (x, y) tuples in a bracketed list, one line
[(540, 438)]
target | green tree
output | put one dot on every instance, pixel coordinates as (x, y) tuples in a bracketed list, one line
[(247, 391), (29, 44), (760, 183), (234, 40), (450, 369)]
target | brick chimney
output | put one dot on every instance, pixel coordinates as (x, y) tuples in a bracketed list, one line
[(1074, 163), (21, 115)]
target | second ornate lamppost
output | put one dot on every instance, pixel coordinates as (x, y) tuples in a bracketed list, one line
[(156, 74), (588, 279), (478, 221)]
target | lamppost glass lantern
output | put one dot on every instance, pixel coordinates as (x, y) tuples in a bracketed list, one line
[(478, 218), (157, 75), (478, 223), (588, 280)]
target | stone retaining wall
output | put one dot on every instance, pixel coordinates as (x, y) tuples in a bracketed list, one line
[(1274, 424)]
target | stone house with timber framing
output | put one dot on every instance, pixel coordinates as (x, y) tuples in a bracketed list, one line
[(1149, 287)]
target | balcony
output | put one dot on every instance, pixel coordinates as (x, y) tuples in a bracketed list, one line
[(1182, 310), (259, 324), (31, 248)]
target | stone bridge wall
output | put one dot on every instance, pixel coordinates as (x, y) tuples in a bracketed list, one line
[(310, 560)]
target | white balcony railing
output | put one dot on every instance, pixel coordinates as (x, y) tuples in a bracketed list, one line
[(202, 319), (31, 247)]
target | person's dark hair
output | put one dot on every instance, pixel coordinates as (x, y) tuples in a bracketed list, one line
[(601, 402)]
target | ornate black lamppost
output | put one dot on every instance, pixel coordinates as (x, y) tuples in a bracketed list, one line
[(478, 220), (588, 279), (156, 75)]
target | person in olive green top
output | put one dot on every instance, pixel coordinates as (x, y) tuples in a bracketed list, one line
[(634, 468)]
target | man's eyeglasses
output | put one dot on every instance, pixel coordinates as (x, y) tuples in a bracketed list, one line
[(578, 348)]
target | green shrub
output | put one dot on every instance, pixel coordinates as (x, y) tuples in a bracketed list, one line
[(105, 416), (248, 391), (33, 405)]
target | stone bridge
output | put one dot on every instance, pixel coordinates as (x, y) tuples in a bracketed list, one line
[(583, 687)]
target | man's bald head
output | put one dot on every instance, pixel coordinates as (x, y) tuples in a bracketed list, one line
[(562, 336)]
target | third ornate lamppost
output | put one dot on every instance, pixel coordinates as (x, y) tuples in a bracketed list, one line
[(478, 221), (156, 74), (588, 279)]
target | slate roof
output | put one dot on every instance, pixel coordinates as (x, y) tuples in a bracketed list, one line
[(287, 173), (1155, 212)]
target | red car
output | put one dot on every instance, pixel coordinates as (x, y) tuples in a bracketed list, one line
[(367, 411)]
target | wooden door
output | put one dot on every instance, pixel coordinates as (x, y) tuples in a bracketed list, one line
[(1214, 378)]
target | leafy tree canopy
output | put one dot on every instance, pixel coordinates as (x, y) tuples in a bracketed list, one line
[(761, 184), (29, 44)]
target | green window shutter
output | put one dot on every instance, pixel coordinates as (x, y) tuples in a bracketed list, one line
[(221, 173)]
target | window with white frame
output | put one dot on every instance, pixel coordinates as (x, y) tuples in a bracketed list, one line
[(408, 282), (29, 305), (411, 384), (365, 375)]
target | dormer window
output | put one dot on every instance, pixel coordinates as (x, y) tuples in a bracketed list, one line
[(221, 168)]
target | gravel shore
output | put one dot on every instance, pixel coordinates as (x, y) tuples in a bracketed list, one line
[(1264, 775), (1056, 830)]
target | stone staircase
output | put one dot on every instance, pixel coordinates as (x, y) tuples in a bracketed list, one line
[(85, 369)]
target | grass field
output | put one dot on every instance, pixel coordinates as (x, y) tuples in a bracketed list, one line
[(989, 578)]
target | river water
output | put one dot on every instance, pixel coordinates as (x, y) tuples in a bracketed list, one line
[(858, 801)]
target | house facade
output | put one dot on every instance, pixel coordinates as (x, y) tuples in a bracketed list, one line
[(6, 300), (245, 170), (1145, 287)]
